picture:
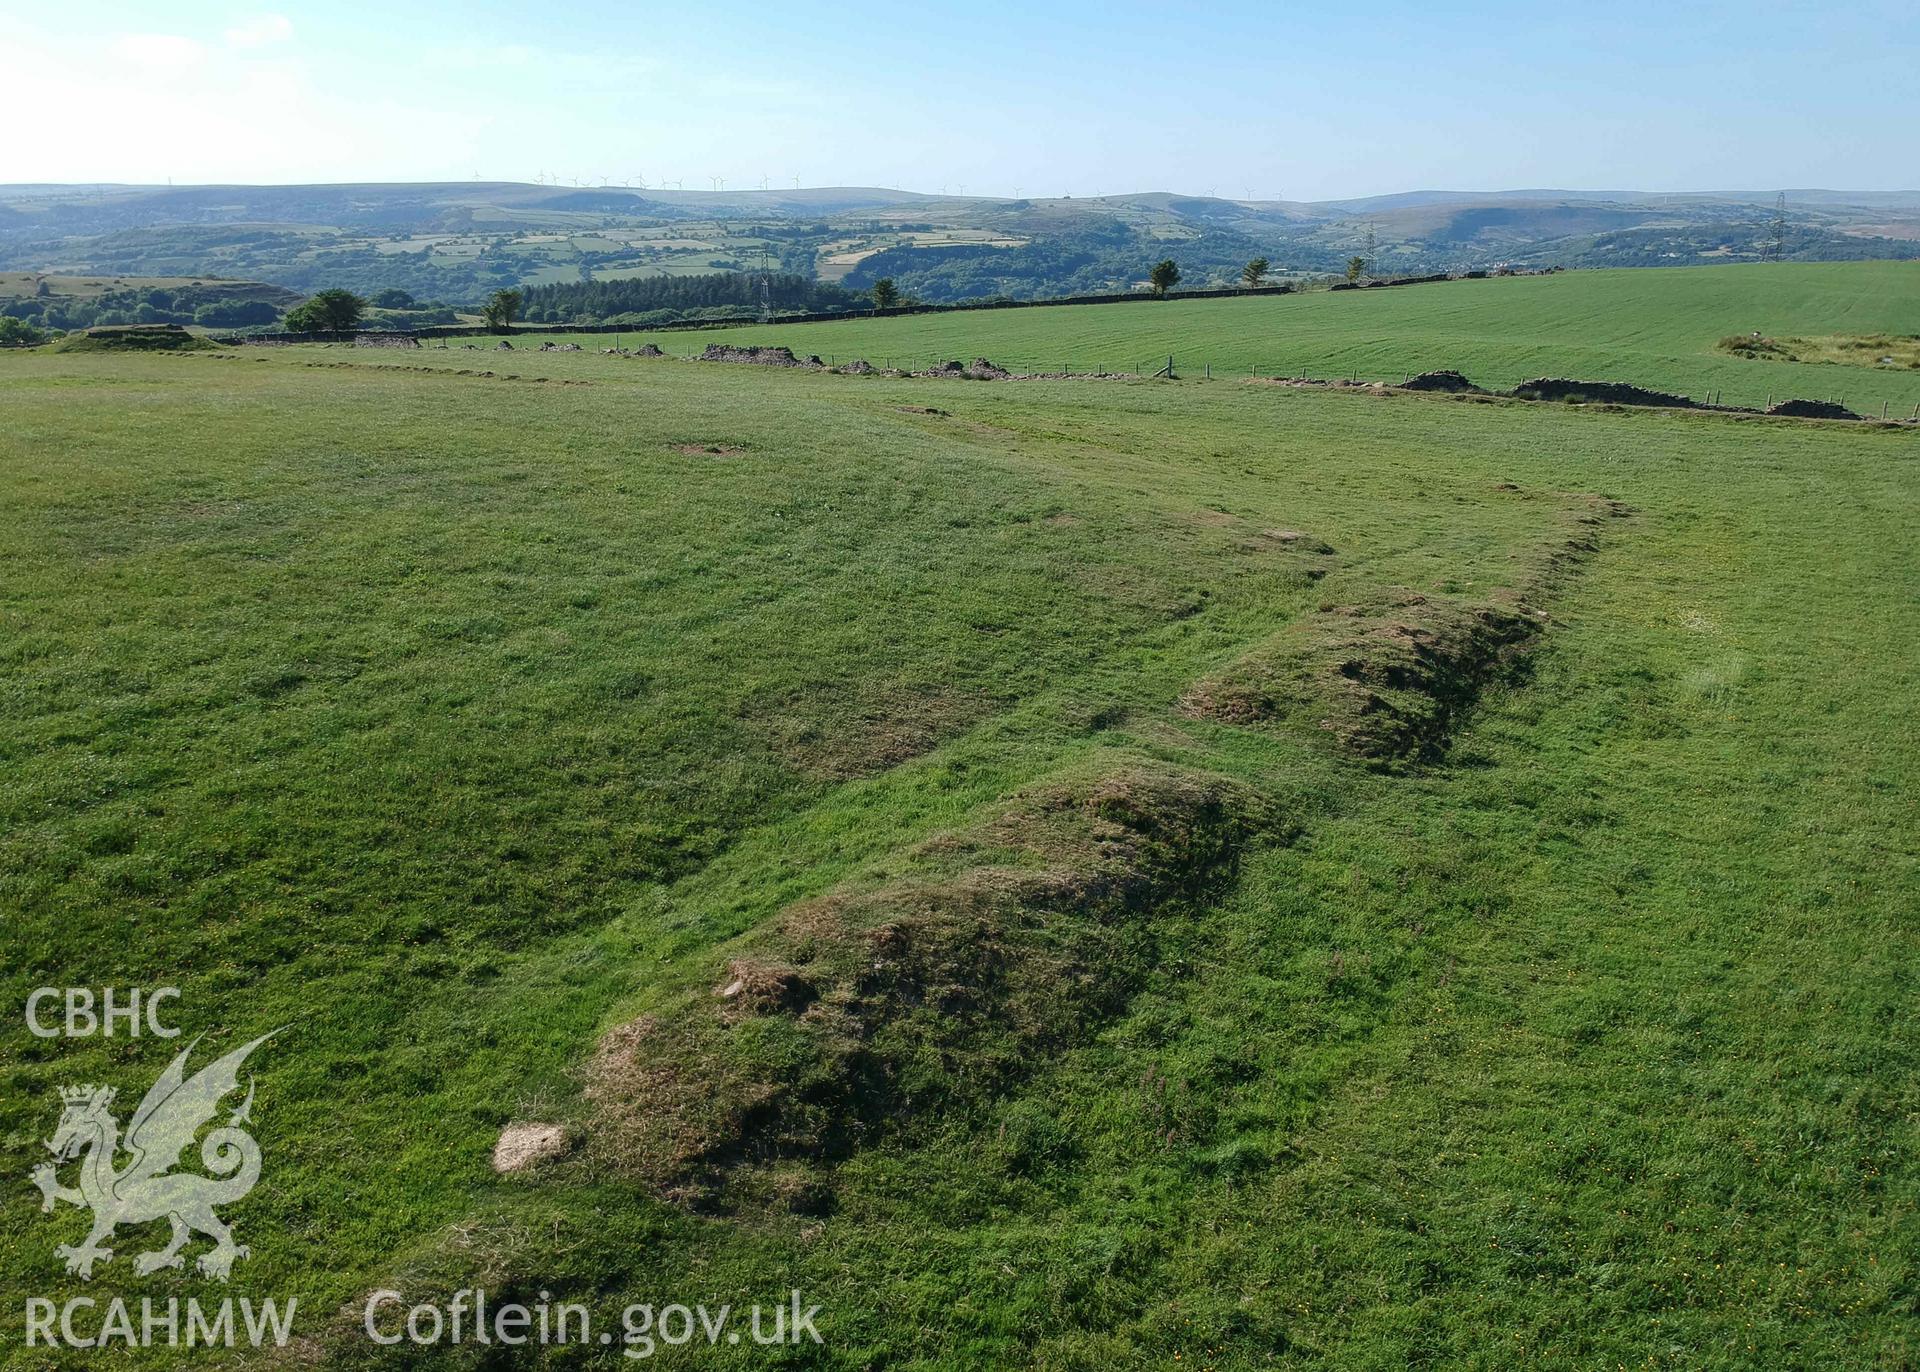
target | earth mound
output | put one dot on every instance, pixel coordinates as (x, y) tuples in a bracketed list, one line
[(757, 356), (1812, 409), (980, 369), (1449, 381), (855, 1016), (1599, 392), (1391, 677), (134, 338)]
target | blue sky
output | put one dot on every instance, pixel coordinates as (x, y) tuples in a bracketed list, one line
[(1264, 100)]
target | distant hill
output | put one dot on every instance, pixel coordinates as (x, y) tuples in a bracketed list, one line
[(456, 241)]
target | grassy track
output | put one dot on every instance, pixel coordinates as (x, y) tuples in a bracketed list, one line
[(1650, 328), (453, 719)]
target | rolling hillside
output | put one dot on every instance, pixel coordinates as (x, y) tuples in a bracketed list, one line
[(454, 242)]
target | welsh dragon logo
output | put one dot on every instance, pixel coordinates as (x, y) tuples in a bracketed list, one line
[(167, 1121)]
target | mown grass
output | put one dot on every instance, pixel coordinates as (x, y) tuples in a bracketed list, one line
[(454, 719), (1655, 328)]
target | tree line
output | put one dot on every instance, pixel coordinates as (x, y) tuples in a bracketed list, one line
[(736, 293)]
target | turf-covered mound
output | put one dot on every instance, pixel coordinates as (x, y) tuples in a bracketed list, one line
[(1599, 393), (857, 1014), (1386, 677), (1390, 676), (134, 338), (1811, 409)]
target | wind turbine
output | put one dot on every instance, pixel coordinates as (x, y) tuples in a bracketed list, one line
[(796, 183), (763, 180)]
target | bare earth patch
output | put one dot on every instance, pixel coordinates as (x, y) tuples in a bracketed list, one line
[(843, 730), (523, 1145)]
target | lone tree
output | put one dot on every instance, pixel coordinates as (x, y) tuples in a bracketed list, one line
[(1164, 276), (1355, 265), (1254, 272), (501, 308), (331, 311), (885, 294)]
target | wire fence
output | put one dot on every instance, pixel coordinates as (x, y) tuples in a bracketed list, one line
[(1877, 401)]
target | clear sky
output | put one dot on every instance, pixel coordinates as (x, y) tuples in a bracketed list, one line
[(1267, 100)]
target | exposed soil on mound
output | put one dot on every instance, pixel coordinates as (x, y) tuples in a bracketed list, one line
[(1599, 392), (980, 369), (924, 409), (758, 357), (857, 1015), (1812, 409), (709, 449), (858, 367), (1451, 382), (648, 350), (1386, 677), (1390, 677)]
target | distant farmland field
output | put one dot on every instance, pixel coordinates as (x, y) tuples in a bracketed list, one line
[(1650, 327)]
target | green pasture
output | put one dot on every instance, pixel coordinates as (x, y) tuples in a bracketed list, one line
[(449, 720), (1656, 328)]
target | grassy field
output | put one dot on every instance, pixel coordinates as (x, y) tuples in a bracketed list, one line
[(1655, 328), (455, 721)]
